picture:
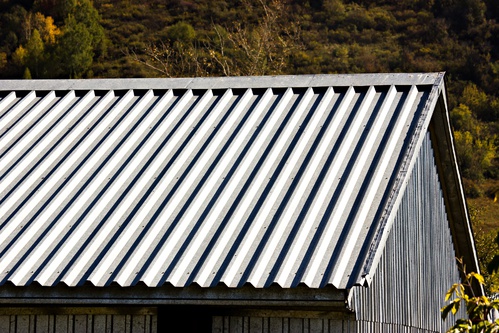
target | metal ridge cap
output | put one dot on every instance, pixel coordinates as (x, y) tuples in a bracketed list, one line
[(94, 84), (375, 79), (277, 81)]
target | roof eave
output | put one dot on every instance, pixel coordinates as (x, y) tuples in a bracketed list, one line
[(448, 169), (299, 298)]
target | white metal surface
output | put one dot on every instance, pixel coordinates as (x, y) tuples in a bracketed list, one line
[(260, 181)]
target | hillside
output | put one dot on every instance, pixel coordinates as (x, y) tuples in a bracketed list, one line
[(187, 38)]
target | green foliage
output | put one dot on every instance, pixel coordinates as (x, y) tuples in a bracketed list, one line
[(32, 57), (33, 39), (334, 9), (487, 246), (475, 154), (262, 47), (493, 263), (181, 32), (84, 13), (27, 74), (462, 118), (478, 308), (35, 53), (45, 25), (3, 59), (75, 49), (478, 101), (20, 55), (475, 146), (13, 25)]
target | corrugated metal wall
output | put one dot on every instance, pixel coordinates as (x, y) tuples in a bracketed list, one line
[(418, 264), (78, 323), (413, 275)]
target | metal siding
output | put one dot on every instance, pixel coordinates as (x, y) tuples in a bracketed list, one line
[(201, 186), (418, 263)]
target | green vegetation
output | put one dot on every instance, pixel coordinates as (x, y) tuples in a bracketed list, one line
[(50, 39), (181, 38), (478, 308)]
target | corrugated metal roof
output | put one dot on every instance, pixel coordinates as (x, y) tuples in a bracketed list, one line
[(209, 181)]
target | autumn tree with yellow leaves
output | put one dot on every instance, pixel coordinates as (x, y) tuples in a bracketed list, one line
[(45, 49), (41, 35)]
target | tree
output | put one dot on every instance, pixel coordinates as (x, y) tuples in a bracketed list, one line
[(84, 12), (487, 247), (75, 49), (493, 264), (475, 147), (48, 30), (479, 102), (478, 308), (19, 56), (463, 14), (32, 56), (181, 32), (36, 53), (179, 55), (27, 74), (263, 47)]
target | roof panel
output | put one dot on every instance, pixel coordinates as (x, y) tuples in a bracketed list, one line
[(259, 181)]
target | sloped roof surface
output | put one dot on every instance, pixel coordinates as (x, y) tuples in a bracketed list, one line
[(209, 181)]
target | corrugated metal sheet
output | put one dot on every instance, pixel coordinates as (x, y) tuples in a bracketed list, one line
[(260, 185), (418, 263)]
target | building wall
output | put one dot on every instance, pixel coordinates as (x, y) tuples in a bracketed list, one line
[(38, 321), (228, 324), (406, 293), (231, 324), (415, 271), (418, 265)]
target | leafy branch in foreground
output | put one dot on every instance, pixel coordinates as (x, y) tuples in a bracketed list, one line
[(478, 308)]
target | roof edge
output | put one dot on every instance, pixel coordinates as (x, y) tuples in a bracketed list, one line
[(381, 234), (452, 188), (234, 82), (435, 120), (326, 298)]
